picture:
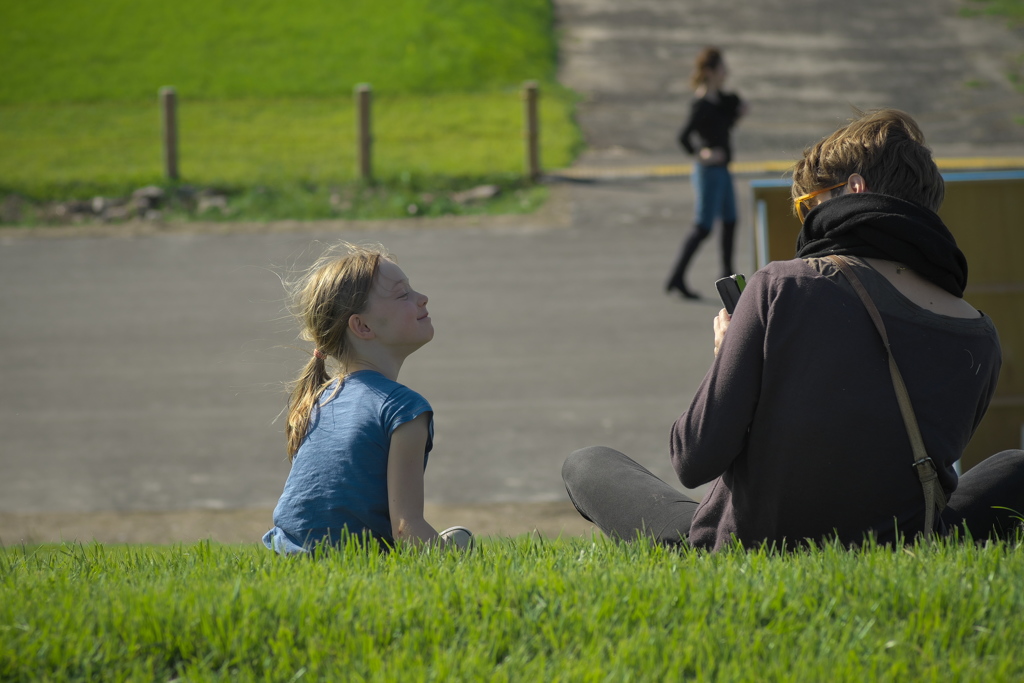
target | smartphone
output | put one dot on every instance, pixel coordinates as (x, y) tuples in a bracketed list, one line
[(729, 289)]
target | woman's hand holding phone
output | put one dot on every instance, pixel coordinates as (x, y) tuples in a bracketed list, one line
[(721, 325), (729, 288)]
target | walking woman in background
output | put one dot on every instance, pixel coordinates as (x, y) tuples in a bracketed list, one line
[(712, 116)]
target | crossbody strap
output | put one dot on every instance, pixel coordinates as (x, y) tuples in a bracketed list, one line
[(934, 495)]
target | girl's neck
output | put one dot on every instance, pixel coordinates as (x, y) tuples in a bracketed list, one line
[(383, 363)]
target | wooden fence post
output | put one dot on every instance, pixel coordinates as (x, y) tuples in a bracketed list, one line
[(169, 115), (532, 130), (364, 132)]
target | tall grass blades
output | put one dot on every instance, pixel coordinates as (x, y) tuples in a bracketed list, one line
[(519, 609)]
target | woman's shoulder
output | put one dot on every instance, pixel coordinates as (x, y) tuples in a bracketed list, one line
[(795, 282), (789, 272), (900, 303)]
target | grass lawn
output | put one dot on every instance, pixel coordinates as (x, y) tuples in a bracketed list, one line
[(265, 93), (514, 609), (1012, 10)]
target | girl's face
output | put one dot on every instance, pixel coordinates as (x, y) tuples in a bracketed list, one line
[(396, 312)]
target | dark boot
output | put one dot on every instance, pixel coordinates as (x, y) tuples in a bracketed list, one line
[(728, 235), (690, 244)]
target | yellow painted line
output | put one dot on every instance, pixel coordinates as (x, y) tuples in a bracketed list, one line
[(762, 166), (979, 163), (754, 167)]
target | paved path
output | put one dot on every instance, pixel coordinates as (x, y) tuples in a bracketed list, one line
[(141, 374)]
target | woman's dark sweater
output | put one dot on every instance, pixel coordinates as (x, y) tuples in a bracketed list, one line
[(797, 423)]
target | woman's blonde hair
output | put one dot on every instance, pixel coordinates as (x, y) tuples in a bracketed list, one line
[(322, 299), (886, 147)]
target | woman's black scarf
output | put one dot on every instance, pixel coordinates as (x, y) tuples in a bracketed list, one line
[(878, 226)]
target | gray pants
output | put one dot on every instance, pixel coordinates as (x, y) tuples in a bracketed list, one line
[(625, 500)]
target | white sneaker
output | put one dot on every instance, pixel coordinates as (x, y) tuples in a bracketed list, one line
[(458, 536)]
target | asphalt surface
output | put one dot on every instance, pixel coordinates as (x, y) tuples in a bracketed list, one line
[(143, 368)]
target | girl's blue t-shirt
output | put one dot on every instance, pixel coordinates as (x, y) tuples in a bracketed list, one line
[(339, 476)]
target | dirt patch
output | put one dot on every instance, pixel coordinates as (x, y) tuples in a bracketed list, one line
[(248, 526)]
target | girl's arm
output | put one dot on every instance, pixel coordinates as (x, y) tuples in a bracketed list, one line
[(405, 482)]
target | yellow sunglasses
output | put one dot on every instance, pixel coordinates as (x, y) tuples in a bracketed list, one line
[(802, 208)]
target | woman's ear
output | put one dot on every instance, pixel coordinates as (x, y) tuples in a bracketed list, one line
[(358, 327), (857, 184)]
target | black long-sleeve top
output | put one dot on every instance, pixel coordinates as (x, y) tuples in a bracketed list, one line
[(712, 122)]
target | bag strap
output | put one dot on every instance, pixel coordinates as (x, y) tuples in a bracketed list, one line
[(934, 495)]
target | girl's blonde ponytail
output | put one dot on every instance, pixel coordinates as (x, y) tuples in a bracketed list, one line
[(306, 389), (336, 287)]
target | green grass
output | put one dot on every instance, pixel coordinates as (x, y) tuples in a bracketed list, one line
[(407, 196), (1012, 10), (521, 609), (265, 92), (115, 146), (119, 50)]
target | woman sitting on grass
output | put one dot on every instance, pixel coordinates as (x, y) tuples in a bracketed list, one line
[(797, 425), (358, 441)]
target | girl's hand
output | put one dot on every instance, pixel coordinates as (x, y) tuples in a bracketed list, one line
[(721, 325), (712, 156)]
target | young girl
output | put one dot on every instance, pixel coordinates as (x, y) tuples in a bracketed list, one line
[(358, 441)]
